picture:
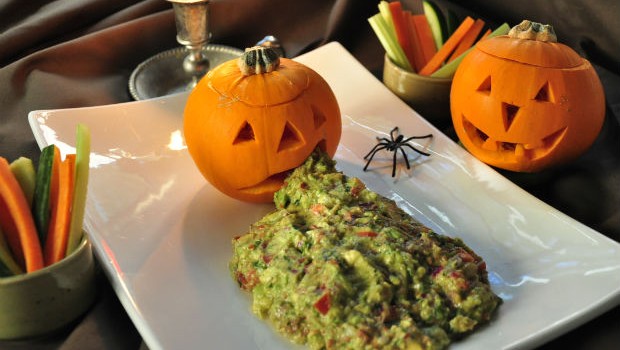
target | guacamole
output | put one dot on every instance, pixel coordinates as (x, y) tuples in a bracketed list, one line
[(337, 266)]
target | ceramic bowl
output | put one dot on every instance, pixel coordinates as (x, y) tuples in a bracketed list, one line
[(428, 96), (44, 301)]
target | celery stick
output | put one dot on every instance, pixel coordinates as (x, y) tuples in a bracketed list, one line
[(449, 69), (384, 10), (389, 42), (24, 172), (388, 24), (82, 160), (8, 266)]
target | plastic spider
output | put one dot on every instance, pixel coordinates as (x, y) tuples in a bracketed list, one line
[(395, 143)]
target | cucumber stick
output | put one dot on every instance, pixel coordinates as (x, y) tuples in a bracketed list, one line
[(82, 160), (436, 21), (41, 196), (23, 170)]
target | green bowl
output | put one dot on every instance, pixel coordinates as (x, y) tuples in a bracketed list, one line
[(44, 301), (428, 96)]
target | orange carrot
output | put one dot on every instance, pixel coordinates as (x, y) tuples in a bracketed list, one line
[(418, 54), (447, 48), (8, 225), (60, 219), (17, 222), (468, 40), (402, 32), (425, 37), (486, 34)]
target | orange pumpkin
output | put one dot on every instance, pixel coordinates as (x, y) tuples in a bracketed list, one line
[(250, 121), (525, 102)]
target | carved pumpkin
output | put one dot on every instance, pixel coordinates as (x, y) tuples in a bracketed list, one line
[(525, 102), (250, 121)]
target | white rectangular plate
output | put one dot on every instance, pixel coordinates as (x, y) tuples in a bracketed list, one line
[(162, 234)]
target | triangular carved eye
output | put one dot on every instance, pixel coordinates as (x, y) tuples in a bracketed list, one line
[(246, 133), (290, 138), (509, 112), (319, 117), (544, 94), (485, 87)]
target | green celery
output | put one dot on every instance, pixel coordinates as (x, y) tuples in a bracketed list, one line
[(82, 163), (8, 266), (24, 172), (388, 41)]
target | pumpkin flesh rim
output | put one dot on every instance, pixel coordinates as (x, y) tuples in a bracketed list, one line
[(274, 181), (229, 97), (575, 67), (279, 80), (518, 151), (513, 53)]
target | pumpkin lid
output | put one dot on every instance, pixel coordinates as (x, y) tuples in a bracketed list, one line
[(534, 44), (259, 78)]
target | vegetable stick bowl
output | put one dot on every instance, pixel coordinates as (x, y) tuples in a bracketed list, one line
[(429, 96), (41, 302)]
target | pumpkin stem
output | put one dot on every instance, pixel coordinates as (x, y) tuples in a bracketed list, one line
[(533, 31), (258, 60)]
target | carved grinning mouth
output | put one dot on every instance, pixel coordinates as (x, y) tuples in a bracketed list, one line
[(516, 150), (270, 184), (275, 181)]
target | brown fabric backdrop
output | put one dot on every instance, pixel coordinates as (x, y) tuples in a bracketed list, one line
[(75, 53)]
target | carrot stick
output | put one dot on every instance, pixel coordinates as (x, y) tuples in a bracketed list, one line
[(402, 30), (425, 37), (468, 40), (449, 46), (58, 233), (418, 55), (16, 221), (7, 225), (447, 71), (486, 34)]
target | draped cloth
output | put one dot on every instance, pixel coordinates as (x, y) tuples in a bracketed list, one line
[(77, 53)]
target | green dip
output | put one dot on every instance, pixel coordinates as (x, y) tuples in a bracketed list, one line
[(337, 266)]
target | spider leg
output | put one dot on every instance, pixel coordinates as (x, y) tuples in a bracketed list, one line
[(418, 137), (384, 140), (417, 150), (374, 149), (367, 163), (402, 150), (394, 163), (372, 154), (392, 132)]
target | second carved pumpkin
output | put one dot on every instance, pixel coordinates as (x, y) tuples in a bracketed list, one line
[(525, 102)]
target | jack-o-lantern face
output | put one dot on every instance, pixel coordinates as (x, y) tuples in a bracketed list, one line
[(246, 132), (524, 105)]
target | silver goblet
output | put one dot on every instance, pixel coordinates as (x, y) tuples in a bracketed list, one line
[(180, 69)]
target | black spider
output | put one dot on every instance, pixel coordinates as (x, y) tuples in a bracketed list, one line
[(393, 144)]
